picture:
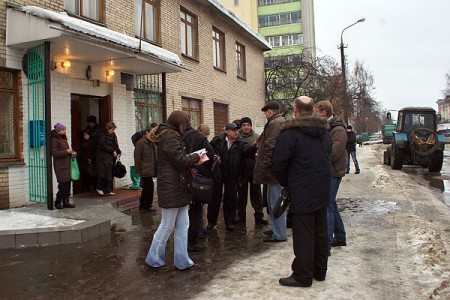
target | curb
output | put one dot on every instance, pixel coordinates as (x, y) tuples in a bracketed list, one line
[(54, 235)]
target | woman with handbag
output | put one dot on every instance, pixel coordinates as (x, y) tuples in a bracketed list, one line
[(173, 195), (107, 152), (62, 155)]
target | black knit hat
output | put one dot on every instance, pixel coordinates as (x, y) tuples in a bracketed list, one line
[(246, 120), (92, 119)]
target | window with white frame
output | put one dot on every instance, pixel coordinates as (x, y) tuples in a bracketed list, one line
[(240, 61), (86, 8), (189, 29), (218, 42), (279, 19), (147, 19), (285, 40)]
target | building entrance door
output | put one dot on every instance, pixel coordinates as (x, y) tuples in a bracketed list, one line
[(83, 106)]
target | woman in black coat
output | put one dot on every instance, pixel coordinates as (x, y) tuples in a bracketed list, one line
[(107, 152), (173, 195)]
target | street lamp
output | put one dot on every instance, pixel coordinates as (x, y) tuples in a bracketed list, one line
[(344, 78)]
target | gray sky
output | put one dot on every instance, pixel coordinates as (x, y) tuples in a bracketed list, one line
[(404, 44)]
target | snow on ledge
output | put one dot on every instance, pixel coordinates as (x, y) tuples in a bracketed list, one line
[(235, 18), (104, 33), (10, 220)]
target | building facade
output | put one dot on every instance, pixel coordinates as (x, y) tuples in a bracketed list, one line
[(128, 61), (288, 25)]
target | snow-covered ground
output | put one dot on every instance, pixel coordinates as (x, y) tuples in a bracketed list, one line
[(11, 220)]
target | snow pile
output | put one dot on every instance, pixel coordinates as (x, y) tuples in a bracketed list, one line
[(431, 256), (381, 176), (103, 33), (10, 220)]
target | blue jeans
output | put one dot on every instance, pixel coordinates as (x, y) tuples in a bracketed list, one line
[(355, 161), (278, 225), (334, 220), (171, 217)]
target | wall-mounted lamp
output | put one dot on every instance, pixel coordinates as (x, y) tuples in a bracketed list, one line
[(66, 64), (89, 72), (110, 73)]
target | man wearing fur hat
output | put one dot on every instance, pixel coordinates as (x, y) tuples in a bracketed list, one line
[(248, 135)]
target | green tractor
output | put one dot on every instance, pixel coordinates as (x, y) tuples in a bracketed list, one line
[(415, 140)]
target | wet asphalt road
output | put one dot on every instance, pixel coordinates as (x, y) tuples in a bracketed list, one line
[(113, 267)]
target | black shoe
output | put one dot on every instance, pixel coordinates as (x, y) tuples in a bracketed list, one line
[(346, 172), (261, 221), (58, 206), (357, 172), (164, 268), (338, 243), (148, 209), (320, 276), (68, 205), (197, 247), (202, 234), (289, 281), (270, 239), (329, 252), (229, 227), (193, 267), (268, 232), (210, 227)]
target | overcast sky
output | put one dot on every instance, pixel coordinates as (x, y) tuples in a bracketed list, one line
[(404, 44)]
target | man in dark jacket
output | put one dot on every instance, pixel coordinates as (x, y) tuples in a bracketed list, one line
[(337, 130), (247, 134), (231, 151), (195, 141), (301, 162), (351, 149), (145, 164)]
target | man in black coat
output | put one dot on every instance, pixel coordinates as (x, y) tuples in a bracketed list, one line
[(231, 151), (351, 149), (301, 162)]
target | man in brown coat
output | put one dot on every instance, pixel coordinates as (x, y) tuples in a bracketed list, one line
[(338, 133), (263, 168), (145, 164)]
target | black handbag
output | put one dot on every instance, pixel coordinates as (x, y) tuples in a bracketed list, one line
[(282, 203), (119, 169), (201, 188)]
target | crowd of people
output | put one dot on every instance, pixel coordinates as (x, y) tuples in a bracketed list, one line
[(307, 154)]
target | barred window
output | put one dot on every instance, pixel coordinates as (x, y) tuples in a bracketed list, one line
[(9, 110)]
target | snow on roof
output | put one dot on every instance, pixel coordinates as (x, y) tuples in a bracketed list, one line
[(103, 33), (241, 23)]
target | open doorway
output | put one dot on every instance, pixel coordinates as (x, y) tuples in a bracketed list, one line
[(83, 106)]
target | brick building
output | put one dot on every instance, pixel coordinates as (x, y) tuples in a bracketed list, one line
[(62, 67)]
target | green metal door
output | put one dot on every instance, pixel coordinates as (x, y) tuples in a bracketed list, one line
[(147, 100), (37, 162)]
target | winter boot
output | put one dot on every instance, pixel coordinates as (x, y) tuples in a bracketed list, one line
[(58, 204), (67, 203)]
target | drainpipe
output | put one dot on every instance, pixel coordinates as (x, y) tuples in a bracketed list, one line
[(48, 126), (164, 97)]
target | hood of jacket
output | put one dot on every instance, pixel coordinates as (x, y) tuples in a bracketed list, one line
[(337, 121), (160, 132), (312, 125)]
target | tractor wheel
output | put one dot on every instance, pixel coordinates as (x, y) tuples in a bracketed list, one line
[(387, 157), (396, 158), (436, 161)]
